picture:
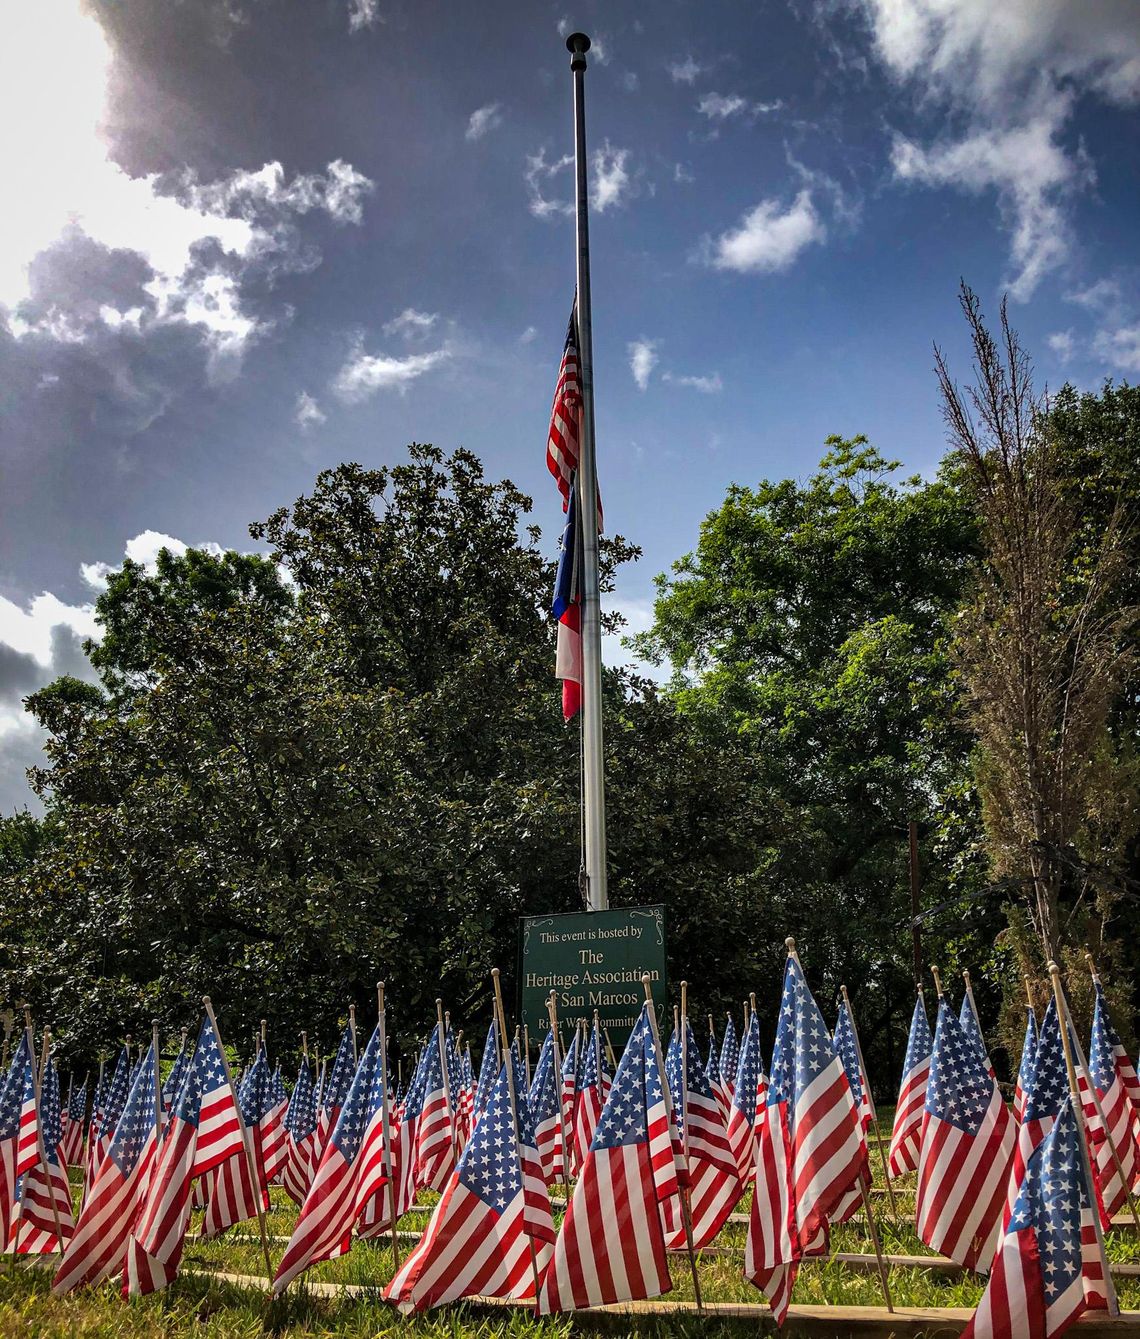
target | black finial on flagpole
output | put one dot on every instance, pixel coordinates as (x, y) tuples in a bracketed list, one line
[(578, 44)]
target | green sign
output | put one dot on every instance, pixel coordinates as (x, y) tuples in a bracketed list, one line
[(592, 960)]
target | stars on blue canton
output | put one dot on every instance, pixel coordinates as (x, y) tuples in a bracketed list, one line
[(1028, 1052), (173, 1082), (51, 1115), (572, 1060), (636, 1083), (301, 1113), (968, 1021), (488, 1069), (342, 1070), (803, 1046), (593, 1065), (489, 1166), (116, 1094), (137, 1121), (1047, 1090), (919, 1045), (1051, 1201), (454, 1064), (433, 1067), (1103, 1044), (543, 1096), (959, 1088), (748, 1071), (697, 1079), (12, 1093), (712, 1064), (844, 1041), (522, 1105), (356, 1109), (417, 1089), (729, 1050), (77, 1103), (255, 1096)]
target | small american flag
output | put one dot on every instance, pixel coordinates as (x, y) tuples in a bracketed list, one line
[(1115, 1078), (611, 1247), (98, 1247), (714, 1181), (19, 1131), (109, 1111), (323, 1229), (45, 1187), (301, 1125), (729, 1055), (488, 1071), (435, 1141), (237, 1190), (544, 1100), (846, 1044), (334, 1089), (274, 1136), (476, 1242), (1046, 1092), (748, 1103), (906, 1136), (591, 1097), (173, 1083), (571, 1079), (712, 1073), (74, 1119), (811, 1147), (1048, 1269), (966, 1153), (1028, 1054), (203, 1132), (972, 1029)]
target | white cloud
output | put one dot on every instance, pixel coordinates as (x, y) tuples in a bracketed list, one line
[(412, 324), (642, 360), (630, 82), (55, 71), (146, 547), (681, 175), (363, 14), (769, 237), (611, 181), (1120, 348), (308, 414), (720, 106), (707, 385), (529, 335), (1015, 72), (1030, 171), (685, 71), (1063, 344), (29, 631), (484, 119), (364, 374)]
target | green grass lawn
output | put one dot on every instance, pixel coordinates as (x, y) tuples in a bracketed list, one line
[(208, 1308)]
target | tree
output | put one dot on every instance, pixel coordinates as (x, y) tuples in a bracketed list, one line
[(1044, 643), (808, 629)]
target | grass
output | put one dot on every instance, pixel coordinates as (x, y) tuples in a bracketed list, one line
[(201, 1307)]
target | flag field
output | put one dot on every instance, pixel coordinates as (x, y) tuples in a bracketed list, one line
[(200, 1305)]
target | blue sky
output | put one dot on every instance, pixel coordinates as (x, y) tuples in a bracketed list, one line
[(247, 239)]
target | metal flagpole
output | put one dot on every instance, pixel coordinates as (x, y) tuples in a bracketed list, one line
[(593, 782)]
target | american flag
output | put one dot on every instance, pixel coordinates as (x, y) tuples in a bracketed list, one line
[(729, 1055), (571, 1077), (488, 1071), (477, 1241), (19, 1130), (465, 1100), (906, 1136), (301, 1125), (1046, 1092), (98, 1247), (323, 1229), (567, 609), (748, 1103), (966, 1153), (845, 1043), (74, 1119), (716, 1082), (591, 1097), (1111, 1071), (1028, 1054), (109, 1111), (435, 1138), (237, 1191), (45, 1187), (545, 1103), (972, 1029), (379, 1175), (562, 439), (1048, 1269), (274, 1135), (172, 1085), (202, 1134), (408, 1130), (333, 1089), (811, 1147), (714, 1181), (611, 1247), (537, 1218)]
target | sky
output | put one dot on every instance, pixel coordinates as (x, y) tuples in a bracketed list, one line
[(244, 240)]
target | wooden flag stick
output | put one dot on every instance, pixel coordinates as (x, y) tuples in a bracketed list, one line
[(263, 1038), (352, 1029), (255, 1180), (305, 1045), (385, 1127), (1029, 993), (157, 1087), (508, 1060), (8, 1021), (683, 1032), (610, 1049), (1082, 1066), (712, 1029), (552, 1010), (686, 1211), (526, 1054), (871, 1224), (871, 1103), (441, 1034), (745, 1016), (937, 979), (1079, 1115)]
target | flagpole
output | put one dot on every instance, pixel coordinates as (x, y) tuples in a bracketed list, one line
[(593, 782), (1082, 1133)]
